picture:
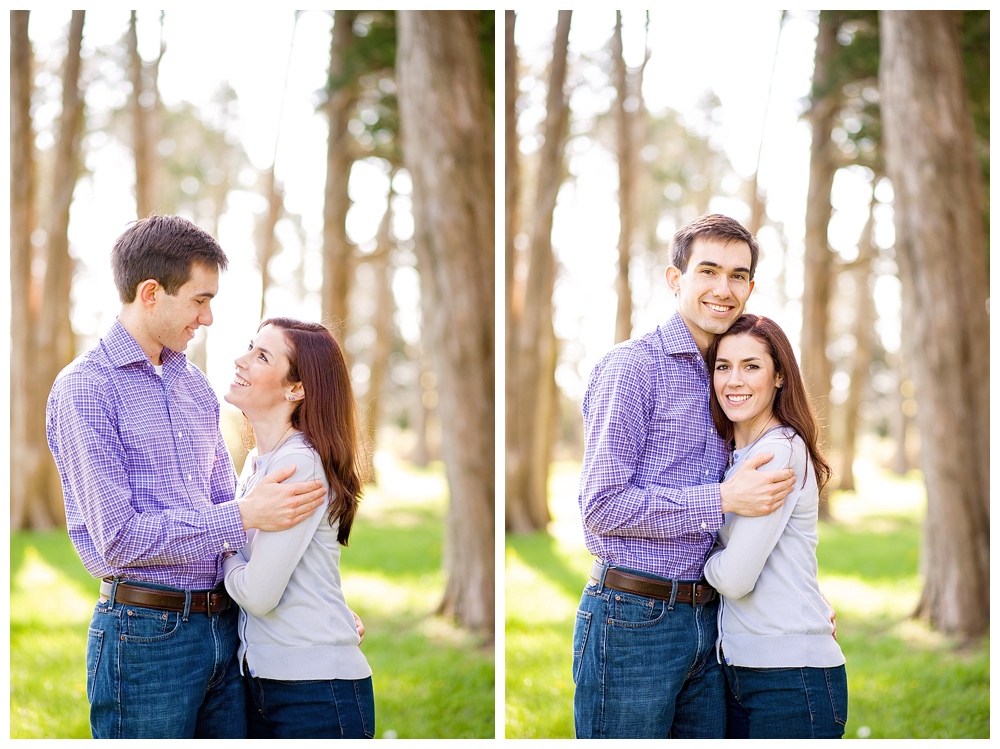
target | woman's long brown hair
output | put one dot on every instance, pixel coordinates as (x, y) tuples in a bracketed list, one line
[(791, 405), (327, 415)]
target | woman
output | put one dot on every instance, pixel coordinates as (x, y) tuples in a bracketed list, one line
[(784, 669), (306, 676)]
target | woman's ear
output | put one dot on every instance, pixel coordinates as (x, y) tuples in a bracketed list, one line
[(296, 392)]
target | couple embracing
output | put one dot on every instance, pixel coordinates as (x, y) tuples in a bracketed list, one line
[(221, 613), (699, 494)]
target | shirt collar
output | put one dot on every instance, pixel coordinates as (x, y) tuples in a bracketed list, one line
[(676, 337), (123, 350)]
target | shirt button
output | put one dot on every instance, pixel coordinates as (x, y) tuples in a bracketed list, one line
[(704, 525), (180, 434), (225, 544), (189, 477)]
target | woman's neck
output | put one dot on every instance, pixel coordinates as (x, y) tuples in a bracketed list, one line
[(747, 432), (271, 433)]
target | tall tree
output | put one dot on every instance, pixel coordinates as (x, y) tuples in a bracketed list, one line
[(447, 143), (341, 96), (512, 220), (54, 346), (931, 160), (864, 332), (818, 256), (27, 441), (140, 125), (626, 170), (531, 371)]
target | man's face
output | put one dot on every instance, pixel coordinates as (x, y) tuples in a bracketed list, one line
[(174, 319), (713, 290)]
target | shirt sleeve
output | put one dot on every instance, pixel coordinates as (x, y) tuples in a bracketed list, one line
[(617, 409), (256, 578), (92, 459), (733, 569)]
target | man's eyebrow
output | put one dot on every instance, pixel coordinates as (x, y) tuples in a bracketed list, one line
[(206, 294), (710, 264)]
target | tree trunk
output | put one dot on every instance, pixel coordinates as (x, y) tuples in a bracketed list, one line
[(140, 126), (864, 328), (818, 258), (27, 438), (55, 345), (385, 306), (529, 441), (337, 249), (447, 139), (931, 161), (268, 243), (899, 423), (626, 209)]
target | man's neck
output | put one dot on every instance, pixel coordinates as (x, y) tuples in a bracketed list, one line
[(134, 327)]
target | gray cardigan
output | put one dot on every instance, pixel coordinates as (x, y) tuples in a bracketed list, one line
[(294, 624), (772, 614)]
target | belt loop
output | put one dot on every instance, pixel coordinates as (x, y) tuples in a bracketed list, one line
[(114, 590), (673, 595), (604, 572), (208, 603), (187, 606)]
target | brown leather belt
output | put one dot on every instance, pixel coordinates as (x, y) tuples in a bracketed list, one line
[(202, 602), (700, 592)]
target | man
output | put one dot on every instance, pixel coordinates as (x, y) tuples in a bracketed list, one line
[(148, 486), (643, 647)]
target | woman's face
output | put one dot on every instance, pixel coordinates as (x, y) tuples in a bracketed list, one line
[(260, 382), (744, 379)]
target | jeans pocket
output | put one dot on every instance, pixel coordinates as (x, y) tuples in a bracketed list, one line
[(836, 684), (95, 645), (580, 633), (632, 611), (142, 625)]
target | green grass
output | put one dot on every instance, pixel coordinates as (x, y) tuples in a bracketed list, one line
[(905, 680), (432, 679)]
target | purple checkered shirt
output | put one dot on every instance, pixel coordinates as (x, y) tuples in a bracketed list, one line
[(649, 491), (147, 480)]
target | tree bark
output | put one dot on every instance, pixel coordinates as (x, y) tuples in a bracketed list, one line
[(140, 126), (337, 249), (864, 328), (268, 242), (529, 442), (55, 345), (26, 436), (818, 258), (385, 307), (626, 209), (930, 159), (447, 139)]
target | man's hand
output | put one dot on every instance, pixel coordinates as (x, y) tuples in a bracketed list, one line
[(273, 506), (752, 493), (360, 625)]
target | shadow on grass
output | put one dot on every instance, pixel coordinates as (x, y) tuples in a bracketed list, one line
[(539, 551)]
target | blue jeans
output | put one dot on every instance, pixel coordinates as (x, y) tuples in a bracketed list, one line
[(644, 668), (156, 674), (330, 709), (786, 703)]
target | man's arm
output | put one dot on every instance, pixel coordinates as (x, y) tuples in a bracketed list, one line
[(617, 410), (92, 461)]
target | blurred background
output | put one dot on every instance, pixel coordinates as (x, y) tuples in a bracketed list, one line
[(864, 173), (279, 132)]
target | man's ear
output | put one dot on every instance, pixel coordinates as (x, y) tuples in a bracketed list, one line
[(145, 292), (674, 278)]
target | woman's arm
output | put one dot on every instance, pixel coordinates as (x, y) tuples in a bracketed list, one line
[(734, 569), (258, 584)]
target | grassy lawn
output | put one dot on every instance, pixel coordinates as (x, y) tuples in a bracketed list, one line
[(432, 679), (905, 680)]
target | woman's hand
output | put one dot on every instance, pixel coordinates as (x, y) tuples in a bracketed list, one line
[(360, 625)]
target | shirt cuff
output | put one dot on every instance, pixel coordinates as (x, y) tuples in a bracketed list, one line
[(225, 528), (705, 509)]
